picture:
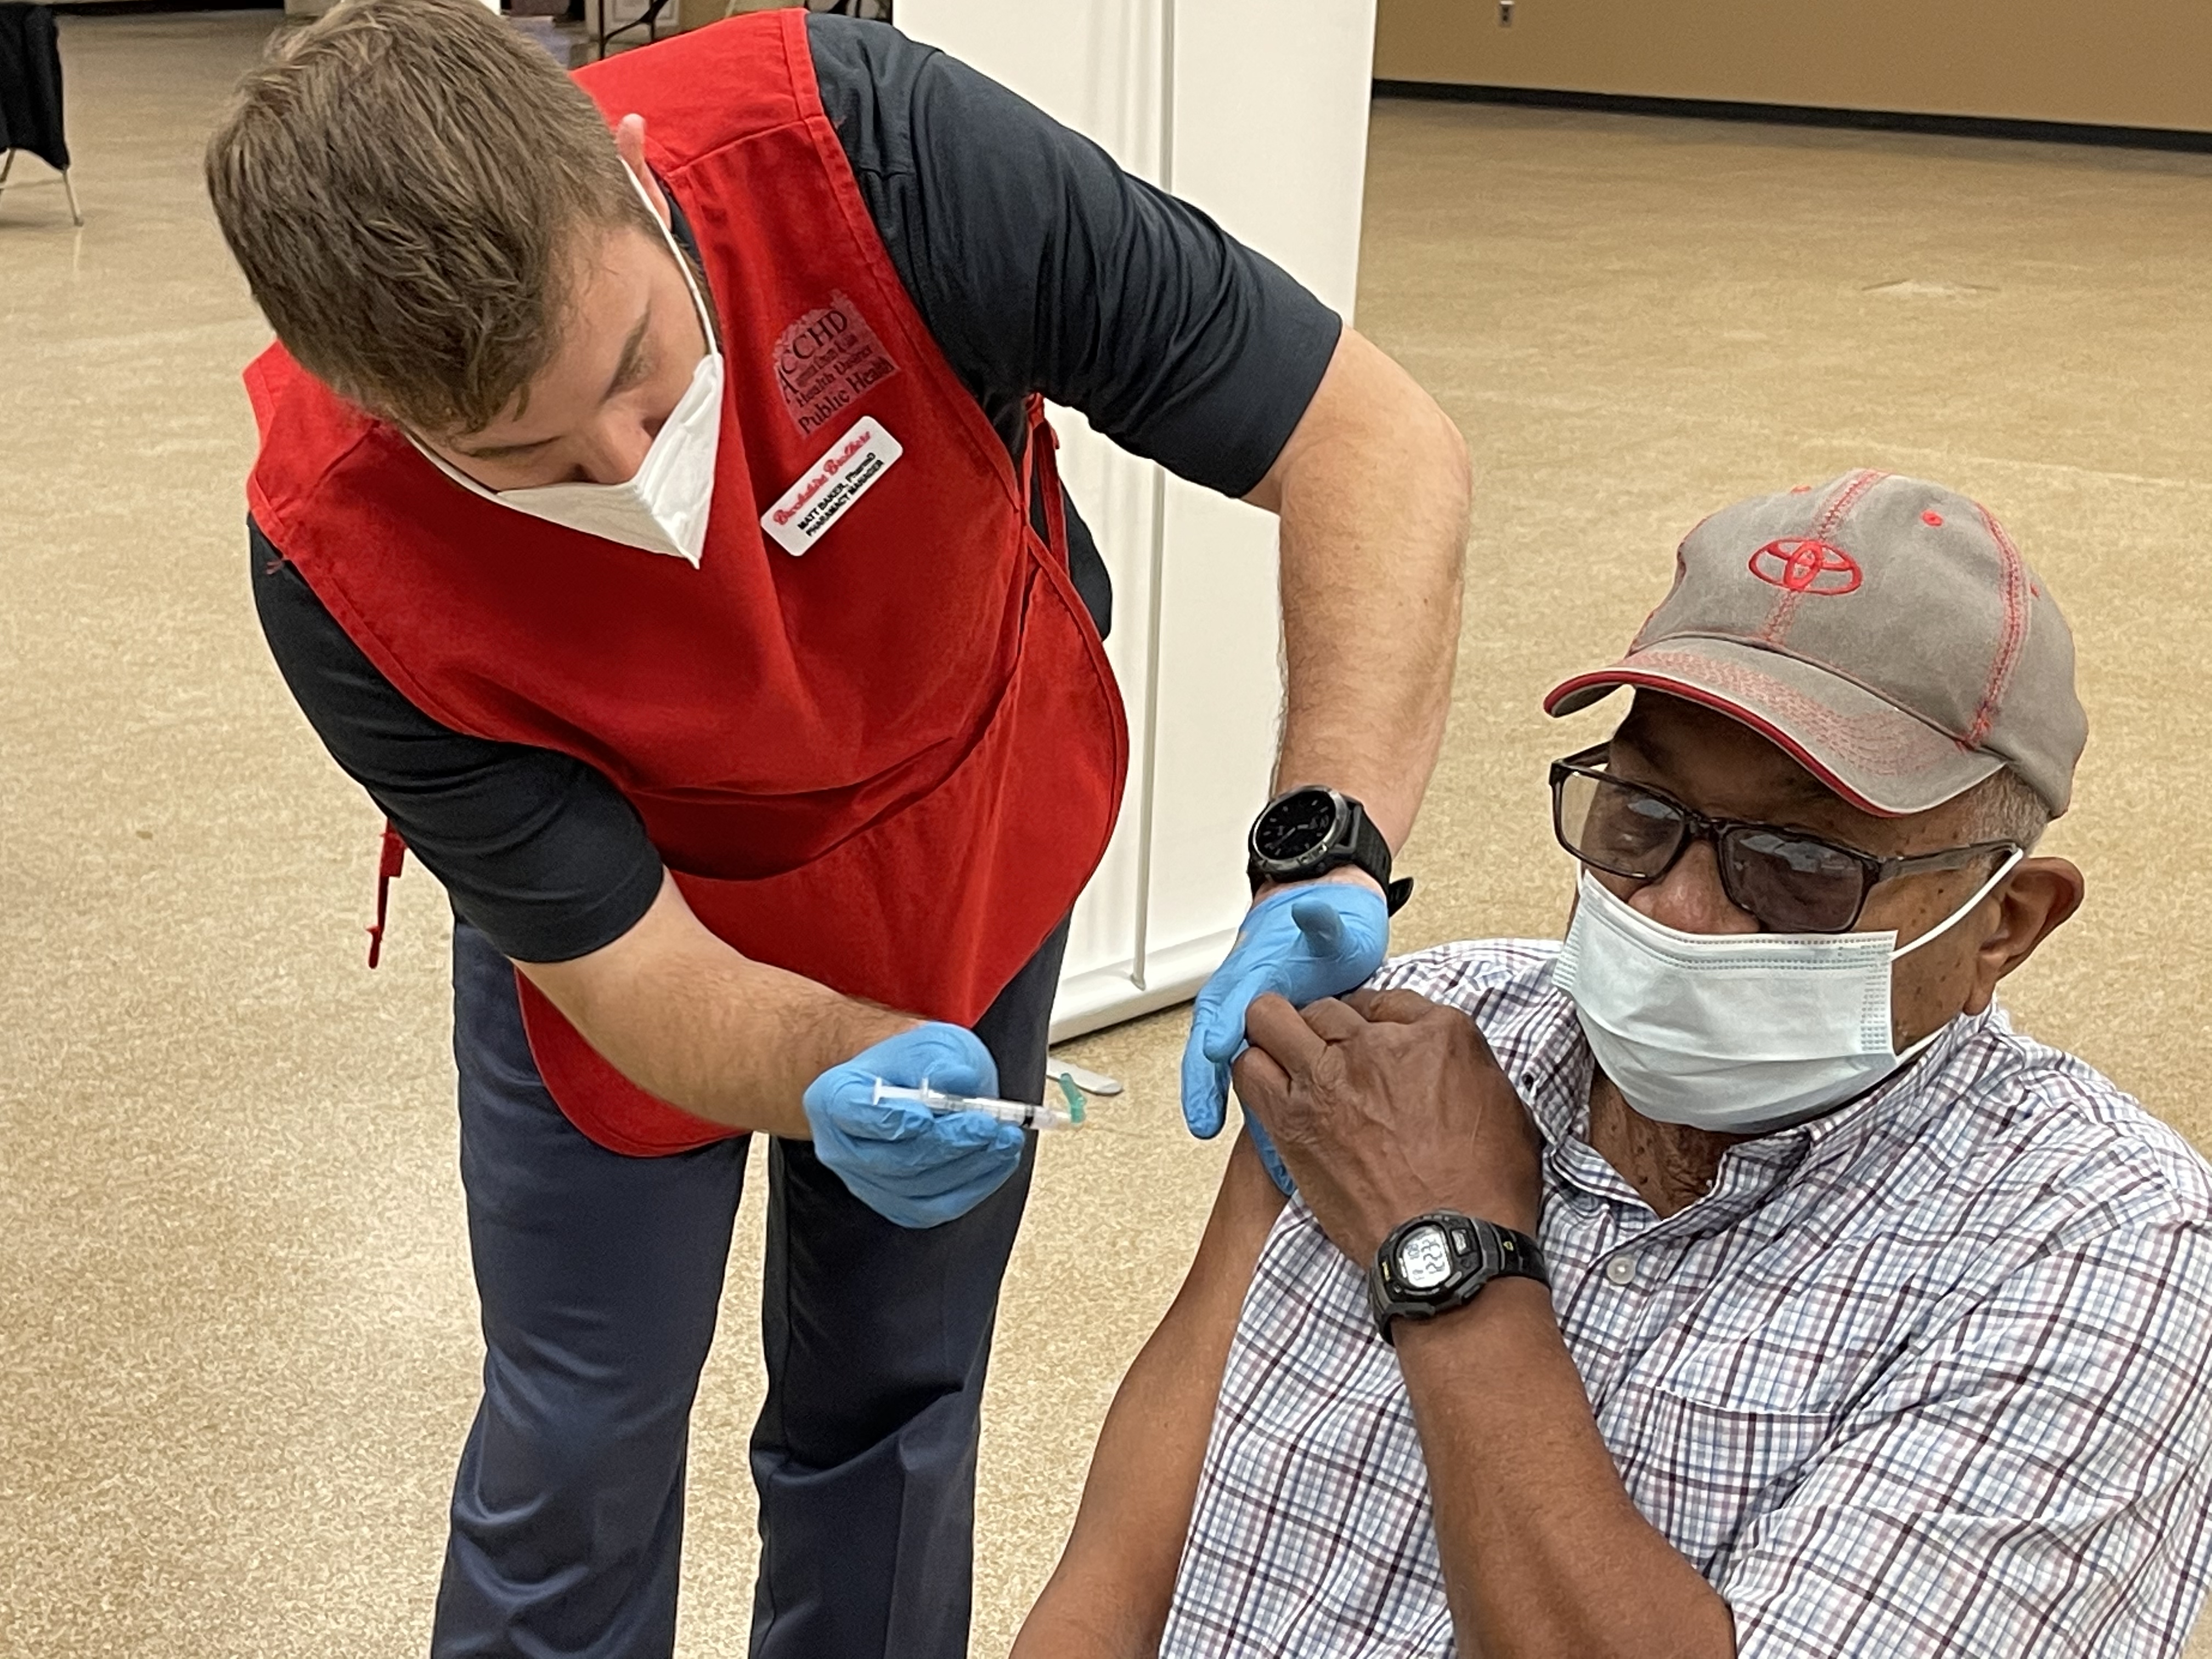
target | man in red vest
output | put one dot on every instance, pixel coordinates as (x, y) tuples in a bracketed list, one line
[(661, 527)]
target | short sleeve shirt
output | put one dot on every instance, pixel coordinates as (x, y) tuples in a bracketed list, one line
[(1929, 1376), (1039, 266)]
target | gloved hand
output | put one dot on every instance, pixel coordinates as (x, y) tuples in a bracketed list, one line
[(1302, 942), (901, 1160)]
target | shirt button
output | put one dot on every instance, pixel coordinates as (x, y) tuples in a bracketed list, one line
[(1621, 1269)]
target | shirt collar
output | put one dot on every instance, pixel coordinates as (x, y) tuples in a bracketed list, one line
[(1543, 1050)]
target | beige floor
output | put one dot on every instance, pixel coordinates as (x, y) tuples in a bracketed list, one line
[(235, 1320)]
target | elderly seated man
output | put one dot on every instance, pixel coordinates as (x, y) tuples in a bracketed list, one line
[(1731, 1277)]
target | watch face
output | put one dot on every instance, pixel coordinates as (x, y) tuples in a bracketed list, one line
[(1425, 1260), (1297, 826)]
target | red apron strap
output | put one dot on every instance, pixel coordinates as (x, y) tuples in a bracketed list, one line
[(1041, 471), (391, 859)]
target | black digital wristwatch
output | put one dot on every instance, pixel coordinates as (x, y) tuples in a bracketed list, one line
[(1438, 1262), (1305, 832)]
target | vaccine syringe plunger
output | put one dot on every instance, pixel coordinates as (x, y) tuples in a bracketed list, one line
[(1020, 1113)]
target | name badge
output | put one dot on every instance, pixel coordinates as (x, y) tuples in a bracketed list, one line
[(846, 471)]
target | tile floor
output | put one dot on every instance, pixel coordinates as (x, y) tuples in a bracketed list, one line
[(235, 1319)]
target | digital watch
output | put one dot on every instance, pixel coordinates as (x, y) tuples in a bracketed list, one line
[(1438, 1262)]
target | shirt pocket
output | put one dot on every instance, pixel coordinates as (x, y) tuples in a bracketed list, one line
[(1703, 1465)]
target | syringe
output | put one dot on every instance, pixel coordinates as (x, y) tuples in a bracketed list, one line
[(1020, 1113)]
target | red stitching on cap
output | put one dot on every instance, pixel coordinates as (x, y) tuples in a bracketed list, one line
[(1932, 517), (1785, 607), (2013, 640), (1889, 743), (1848, 499), (1899, 748)]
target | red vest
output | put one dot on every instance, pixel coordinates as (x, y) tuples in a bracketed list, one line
[(889, 764)]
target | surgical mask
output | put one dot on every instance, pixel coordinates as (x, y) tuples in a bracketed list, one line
[(663, 507), (1734, 1033)]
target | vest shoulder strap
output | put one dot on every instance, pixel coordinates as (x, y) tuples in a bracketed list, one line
[(712, 86)]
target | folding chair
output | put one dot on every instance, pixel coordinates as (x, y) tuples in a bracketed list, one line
[(30, 93)]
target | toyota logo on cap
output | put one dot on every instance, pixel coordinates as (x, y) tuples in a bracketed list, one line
[(1806, 564)]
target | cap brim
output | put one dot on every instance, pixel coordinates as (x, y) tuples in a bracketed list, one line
[(1868, 750)]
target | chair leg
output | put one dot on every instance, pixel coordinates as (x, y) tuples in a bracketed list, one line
[(69, 189)]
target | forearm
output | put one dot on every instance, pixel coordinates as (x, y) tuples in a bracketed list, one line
[(1373, 491), (1385, 1106), (1108, 1597), (1544, 1553), (691, 1021)]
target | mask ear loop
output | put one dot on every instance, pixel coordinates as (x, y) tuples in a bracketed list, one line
[(698, 307), (690, 281), (1956, 917), (1964, 910)]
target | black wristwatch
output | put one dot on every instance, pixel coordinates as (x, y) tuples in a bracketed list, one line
[(1306, 833), (1438, 1262)]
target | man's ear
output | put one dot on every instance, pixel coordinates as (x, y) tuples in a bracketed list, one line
[(629, 141), (2035, 900)]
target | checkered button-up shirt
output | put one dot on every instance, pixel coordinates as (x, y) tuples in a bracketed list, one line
[(1930, 1376)]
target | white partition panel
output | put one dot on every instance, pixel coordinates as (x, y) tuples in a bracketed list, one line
[(1256, 109)]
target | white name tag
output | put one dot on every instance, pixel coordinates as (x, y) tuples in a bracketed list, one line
[(846, 472)]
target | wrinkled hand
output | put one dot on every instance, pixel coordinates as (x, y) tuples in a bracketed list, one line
[(1385, 1105), (901, 1160), (1302, 943)]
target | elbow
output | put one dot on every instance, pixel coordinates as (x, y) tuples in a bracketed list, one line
[(1443, 456), (1455, 465)]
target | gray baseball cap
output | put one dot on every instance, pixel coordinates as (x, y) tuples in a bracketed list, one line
[(1884, 632)]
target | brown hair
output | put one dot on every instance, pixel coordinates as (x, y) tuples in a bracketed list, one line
[(402, 182)]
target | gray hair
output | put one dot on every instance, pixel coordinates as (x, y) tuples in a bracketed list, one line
[(2005, 807)]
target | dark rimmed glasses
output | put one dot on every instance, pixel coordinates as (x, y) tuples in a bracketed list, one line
[(1792, 882)]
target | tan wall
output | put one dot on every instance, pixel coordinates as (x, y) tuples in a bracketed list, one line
[(2125, 62)]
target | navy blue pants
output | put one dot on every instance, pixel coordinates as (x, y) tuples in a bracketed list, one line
[(599, 1276)]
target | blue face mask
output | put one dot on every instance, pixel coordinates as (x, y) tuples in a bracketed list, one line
[(1735, 1033)]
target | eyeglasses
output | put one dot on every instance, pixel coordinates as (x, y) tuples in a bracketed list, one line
[(1792, 882)]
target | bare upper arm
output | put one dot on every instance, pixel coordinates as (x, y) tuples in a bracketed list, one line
[(1366, 398), (582, 984)]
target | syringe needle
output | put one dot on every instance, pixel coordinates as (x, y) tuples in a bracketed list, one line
[(1022, 1114)]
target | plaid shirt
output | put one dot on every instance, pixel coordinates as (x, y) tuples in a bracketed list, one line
[(1930, 1376)]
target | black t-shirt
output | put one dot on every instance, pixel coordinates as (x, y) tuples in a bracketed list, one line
[(1038, 266)]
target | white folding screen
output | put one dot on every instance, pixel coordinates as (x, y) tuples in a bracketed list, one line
[(1256, 111)]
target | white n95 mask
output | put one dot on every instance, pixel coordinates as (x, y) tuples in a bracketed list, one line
[(663, 507), (1734, 1033)]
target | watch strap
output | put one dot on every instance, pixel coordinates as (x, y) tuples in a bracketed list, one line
[(1371, 853)]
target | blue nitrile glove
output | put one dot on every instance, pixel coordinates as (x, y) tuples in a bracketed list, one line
[(1303, 943), (901, 1160)]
